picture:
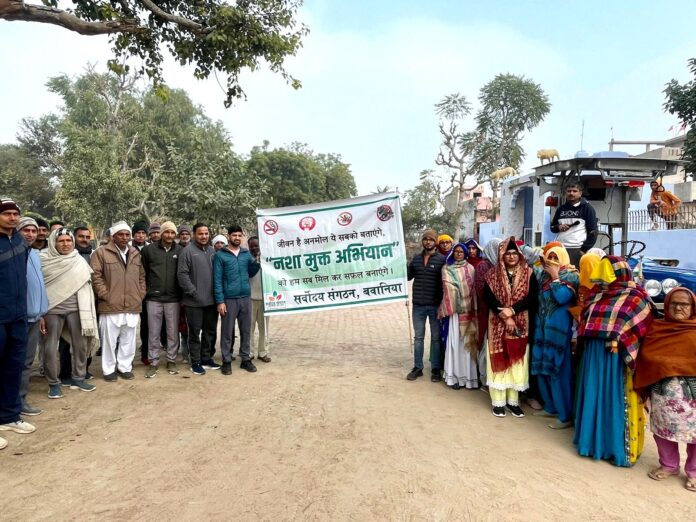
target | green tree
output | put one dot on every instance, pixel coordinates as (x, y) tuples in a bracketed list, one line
[(213, 35), (681, 100), (510, 106), (129, 154), (296, 176), (423, 207), (22, 178)]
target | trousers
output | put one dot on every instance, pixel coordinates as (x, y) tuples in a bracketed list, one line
[(258, 320), (13, 348), (239, 311), (54, 327), (201, 322), (118, 330), (668, 452), (33, 335), (157, 313)]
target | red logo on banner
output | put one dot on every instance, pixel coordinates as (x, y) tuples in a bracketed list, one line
[(385, 213), (344, 219), (270, 227), (307, 223)]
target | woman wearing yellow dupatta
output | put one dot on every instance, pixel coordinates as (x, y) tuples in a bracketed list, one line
[(458, 315)]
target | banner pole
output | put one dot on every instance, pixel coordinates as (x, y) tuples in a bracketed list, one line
[(410, 325)]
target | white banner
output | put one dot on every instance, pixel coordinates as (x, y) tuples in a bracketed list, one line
[(335, 254)]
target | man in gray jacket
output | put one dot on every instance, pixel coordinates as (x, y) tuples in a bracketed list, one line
[(195, 272)]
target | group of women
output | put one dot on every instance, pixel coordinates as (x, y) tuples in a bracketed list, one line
[(583, 343)]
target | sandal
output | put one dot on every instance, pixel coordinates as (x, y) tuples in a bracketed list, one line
[(661, 474), (690, 483)]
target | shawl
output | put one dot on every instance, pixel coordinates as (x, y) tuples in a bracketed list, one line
[(490, 251), (669, 349), (66, 275), (531, 255), (479, 252), (595, 250), (459, 297), (619, 311), (587, 264), (551, 244), (504, 349)]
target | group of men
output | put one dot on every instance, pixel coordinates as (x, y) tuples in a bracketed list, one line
[(64, 300)]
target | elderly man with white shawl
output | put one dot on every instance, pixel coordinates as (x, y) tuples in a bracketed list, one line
[(71, 311)]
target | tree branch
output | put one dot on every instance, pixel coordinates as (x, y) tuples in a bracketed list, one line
[(17, 10), (178, 20)]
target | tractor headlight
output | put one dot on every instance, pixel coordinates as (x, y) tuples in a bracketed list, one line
[(652, 287), (669, 284)]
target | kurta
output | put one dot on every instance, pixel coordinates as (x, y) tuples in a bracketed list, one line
[(673, 410), (551, 350)]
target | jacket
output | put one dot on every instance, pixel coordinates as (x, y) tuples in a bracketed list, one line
[(161, 272), (195, 274), (120, 287), (14, 253), (427, 280), (231, 274), (582, 219), (37, 299)]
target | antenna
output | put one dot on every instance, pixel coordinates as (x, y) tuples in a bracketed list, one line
[(582, 135)]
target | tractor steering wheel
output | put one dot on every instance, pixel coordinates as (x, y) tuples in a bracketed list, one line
[(633, 247)]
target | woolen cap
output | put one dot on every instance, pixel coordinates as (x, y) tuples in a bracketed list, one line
[(27, 222), (430, 234), (168, 225), (8, 204)]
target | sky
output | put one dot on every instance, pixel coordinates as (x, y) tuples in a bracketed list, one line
[(372, 72)]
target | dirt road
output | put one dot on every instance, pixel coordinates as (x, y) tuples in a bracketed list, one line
[(330, 430)]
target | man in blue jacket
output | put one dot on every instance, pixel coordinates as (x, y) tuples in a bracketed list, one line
[(232, 268), (14, 253), (37, 306)]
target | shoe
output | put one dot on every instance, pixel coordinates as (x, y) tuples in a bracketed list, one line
[(145, 361), (31, 410), (414, 374), (265, 359), (172, 369), (227, 368), (66, 383), (558, 425), (544, 413), (484, 388), (54, 391), (210, 365), (456, 386), (125, 375), (234, 358), (534, 404), (83, 386), (197, 369), (516, 411), (498, 411), (18, 427), (151, 372), (88, 376), (435, 376), (3, 443), (248, 366), (111, 376)]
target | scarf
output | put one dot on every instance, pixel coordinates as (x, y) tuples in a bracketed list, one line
[(505, 350), (474, 261), (490, 251), (66, 275), (459, 297), (669, 349), (619, 311)]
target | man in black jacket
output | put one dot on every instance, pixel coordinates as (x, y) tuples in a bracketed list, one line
[(160, 260), (575, 222), (426, 271)]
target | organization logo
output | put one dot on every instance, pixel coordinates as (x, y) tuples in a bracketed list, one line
[(275, 301), (385, 213), (307, 223), (270, 227), (344, 219)]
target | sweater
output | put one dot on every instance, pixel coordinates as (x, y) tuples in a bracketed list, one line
[(231, 274), (37, 299), (161, 272), (195, 274), (582, 219), (14, 254), (427, 279)]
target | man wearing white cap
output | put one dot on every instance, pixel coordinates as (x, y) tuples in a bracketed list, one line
[(119, 282)]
